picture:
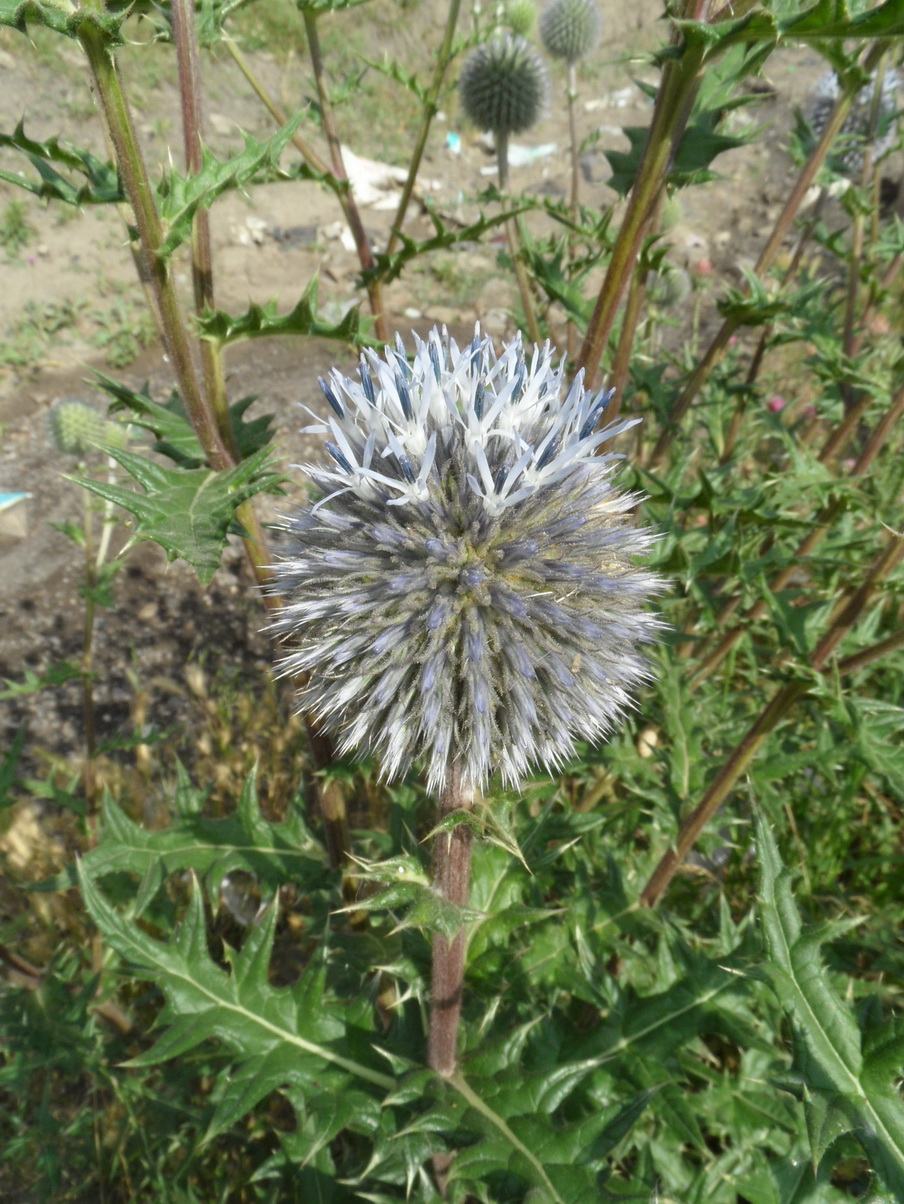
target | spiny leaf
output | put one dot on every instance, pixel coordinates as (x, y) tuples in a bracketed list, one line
[(180, 196), (99, 183), (829, 1053), (274, 853), (262, 321), (242, 1009), (169, 422), (189, 512), (389, 267), (62, 16)]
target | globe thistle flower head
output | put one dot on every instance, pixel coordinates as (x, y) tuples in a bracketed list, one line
[(503, 85), (571, 28), (77, 428), (861, 127), (466, 591)]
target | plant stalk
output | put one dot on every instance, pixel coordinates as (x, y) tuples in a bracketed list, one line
[(350, 208), (680, 82), (452, 881), (140, 192), (431, 107), (846, 614)]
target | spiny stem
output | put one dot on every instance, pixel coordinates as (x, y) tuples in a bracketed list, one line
[(183, 14), (452, 881), (140, 192)]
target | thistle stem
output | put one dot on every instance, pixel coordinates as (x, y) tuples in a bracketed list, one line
[(572, 94), (680, 82), (430, 109), (452, 881), (513, 236), (350, 207), (140, 192)]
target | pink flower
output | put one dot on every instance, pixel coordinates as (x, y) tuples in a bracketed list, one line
[(776, 404)]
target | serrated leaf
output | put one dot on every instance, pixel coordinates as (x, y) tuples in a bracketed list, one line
[(169, 422), (89, 180), (189, 512), (241, 1009), (829, 1042), (389, 267), (274, 853), (180, 197), (62, 16), (263, 321)]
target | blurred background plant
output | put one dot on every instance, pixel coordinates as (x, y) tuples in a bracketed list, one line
[(232, 1009)]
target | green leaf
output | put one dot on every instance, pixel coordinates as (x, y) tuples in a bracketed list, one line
[(169, 422), (180, 196), (829, 1054), (240, 1008), (262, 321), (88, 181), (389, 267), (56, 675), (275, 853), (62, 16), (189, 512)]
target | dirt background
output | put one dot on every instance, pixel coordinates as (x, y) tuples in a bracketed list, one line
[(72, 286)]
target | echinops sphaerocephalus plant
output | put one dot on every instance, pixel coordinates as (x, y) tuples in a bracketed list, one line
[(467, 591), (571, 28)]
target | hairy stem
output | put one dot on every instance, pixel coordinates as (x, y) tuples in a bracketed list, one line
[(452, 881)]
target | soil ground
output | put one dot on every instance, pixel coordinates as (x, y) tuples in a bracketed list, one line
[(72, 287)]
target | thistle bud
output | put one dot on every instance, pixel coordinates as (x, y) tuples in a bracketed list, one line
[(571, 28), (503, 85)]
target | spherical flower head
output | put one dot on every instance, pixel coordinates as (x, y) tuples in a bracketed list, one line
[(77, 428), (860, 123), (503, 85), (571, 28), (467, 590)]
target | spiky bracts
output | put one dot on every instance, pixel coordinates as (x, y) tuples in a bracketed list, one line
[(869, 119), (571, 28), (503, 85), (467, 590)]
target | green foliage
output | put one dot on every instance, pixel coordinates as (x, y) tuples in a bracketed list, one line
[(188, 511), (847, 1070), (263, 321), (250, 1025), (182, 196), (87, 180)]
